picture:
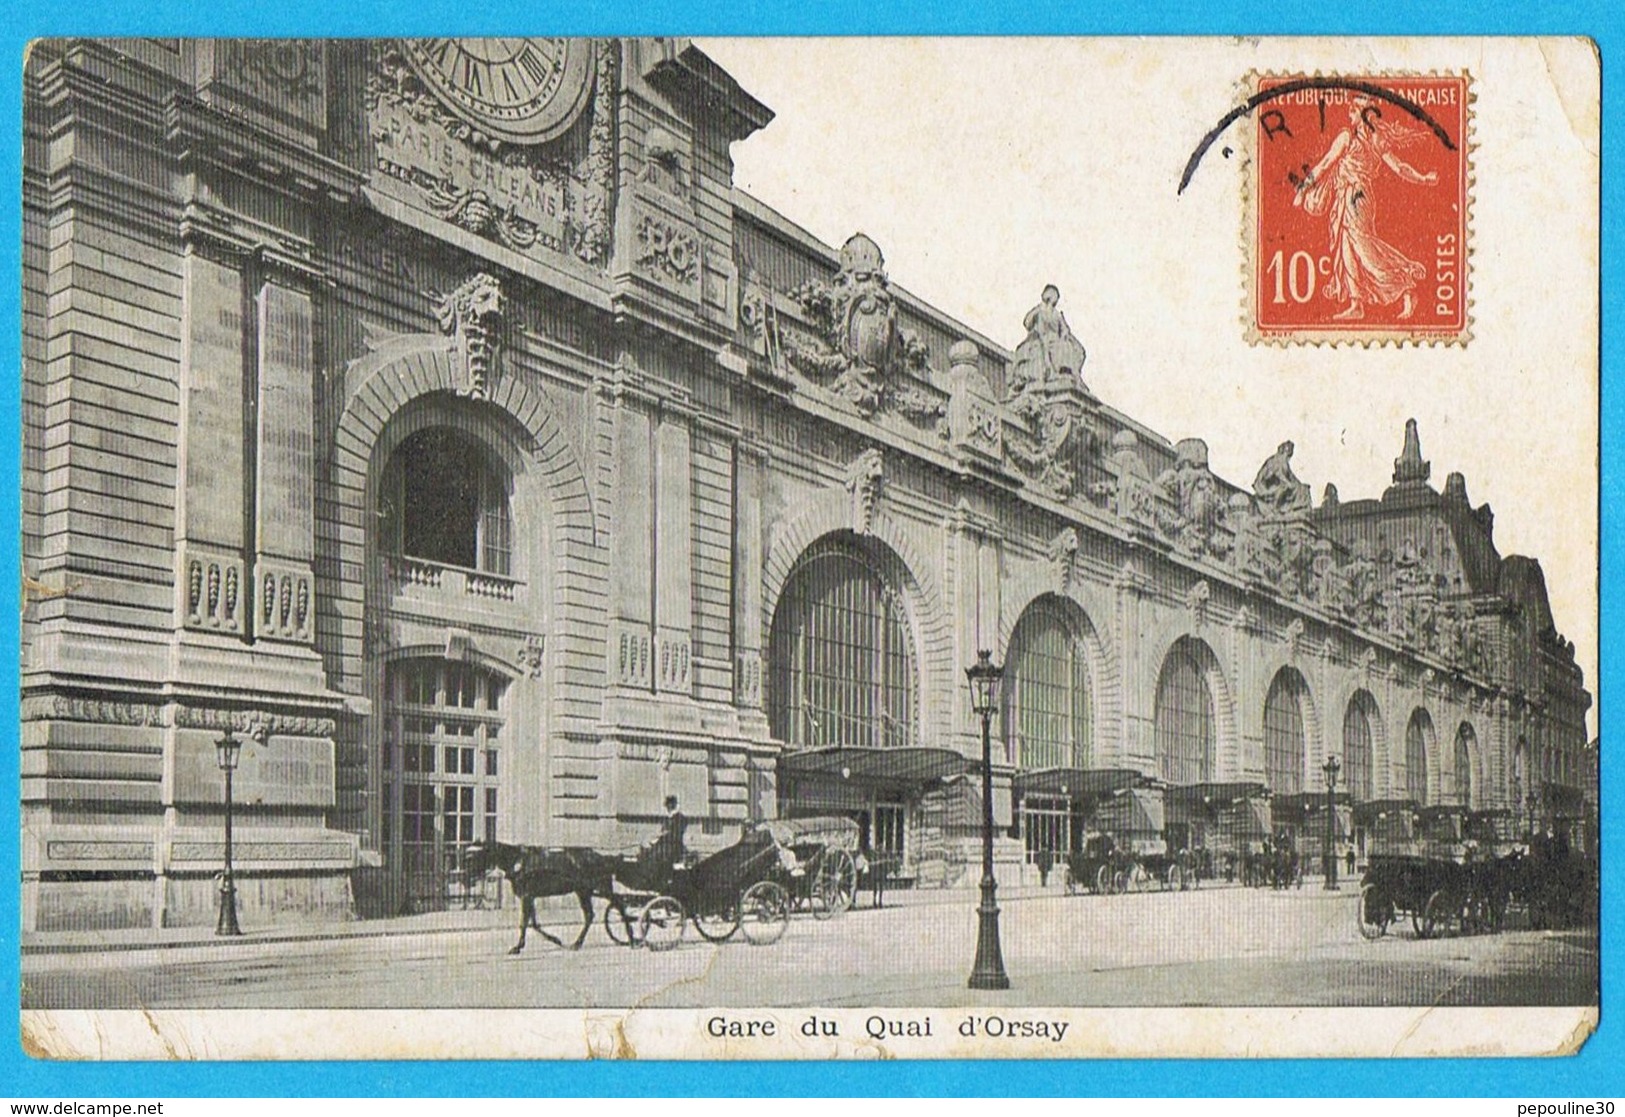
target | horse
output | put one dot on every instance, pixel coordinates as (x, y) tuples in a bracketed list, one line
[(534, 872)]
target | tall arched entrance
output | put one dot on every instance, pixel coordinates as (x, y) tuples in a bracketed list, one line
[(1186, 719), (1048, 722), (843, 696), (1465, 753), (1419, 746), (455, 626), (1286, 743)]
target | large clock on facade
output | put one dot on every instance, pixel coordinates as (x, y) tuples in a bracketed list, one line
[(525, 91)]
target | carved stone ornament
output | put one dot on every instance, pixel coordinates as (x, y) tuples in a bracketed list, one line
[(864, 477), (259, 725), (1060, 431), (1050, 354), (291, 67), (470, 316), (69, 707), (1063, 557), (855, 343), (668, 248), (1195, 510), (1279, 492), (486, 170), (1254, 555), (663, 159), (1196, 601), (1292, 635), (529, 656), (1358, 589), (1133, 496), (974, 423)]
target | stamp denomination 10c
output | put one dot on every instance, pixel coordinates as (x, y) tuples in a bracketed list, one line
[(1359, 205)]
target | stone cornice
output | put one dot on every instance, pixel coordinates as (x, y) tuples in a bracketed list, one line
[(197, 132)]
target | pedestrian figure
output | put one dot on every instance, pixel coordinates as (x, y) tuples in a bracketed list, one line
[(1348, 861), (1046, 862)]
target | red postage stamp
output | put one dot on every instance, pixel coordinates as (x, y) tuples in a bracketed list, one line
[(1358, 223)]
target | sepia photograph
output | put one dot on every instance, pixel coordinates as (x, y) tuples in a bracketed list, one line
[(809, 548)]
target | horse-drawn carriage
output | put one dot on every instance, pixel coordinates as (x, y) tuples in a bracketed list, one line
[(750, 887), (747, 888), (1436, 892), (737, 889), (1439, 865), (827, 862), (1104, 867)]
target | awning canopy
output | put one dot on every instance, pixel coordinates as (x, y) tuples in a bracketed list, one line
[(1302, 802), (907, 766), (1368, 812), (1079, 783), (1215, 794), (1131, 813)]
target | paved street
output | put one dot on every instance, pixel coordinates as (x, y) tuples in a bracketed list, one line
[(1222, 946)]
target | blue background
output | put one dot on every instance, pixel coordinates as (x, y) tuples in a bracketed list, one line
[(1598, 1071)]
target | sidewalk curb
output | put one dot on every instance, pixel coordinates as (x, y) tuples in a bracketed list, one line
[(357, 930)]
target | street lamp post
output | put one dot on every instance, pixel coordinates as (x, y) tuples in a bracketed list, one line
[(988, 972), (227, 749), (1330, 769)]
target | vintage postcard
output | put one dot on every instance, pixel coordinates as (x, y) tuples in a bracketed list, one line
[(676, 548)]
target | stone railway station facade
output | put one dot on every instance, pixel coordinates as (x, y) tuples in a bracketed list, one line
[(437, 417)]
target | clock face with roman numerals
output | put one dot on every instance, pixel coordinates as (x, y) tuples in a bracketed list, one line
[(524, 91)]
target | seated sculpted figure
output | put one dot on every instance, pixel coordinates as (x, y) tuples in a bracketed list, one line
[(1050, 352), (1277, 488)]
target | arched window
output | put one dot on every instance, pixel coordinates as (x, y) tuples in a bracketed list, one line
[(1358, 754), (1466, 740), (1418, 739), (1285, 744), (445, 500), (841, 660), (1185, 727), (1046, 677)]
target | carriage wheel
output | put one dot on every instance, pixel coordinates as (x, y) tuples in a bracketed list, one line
[(1138, 879), (717, 926), (1103, 880), (764, 913), (1120, 881), (1433, 915), (660, 923), (846, 880), (835, 885), (1374, 913), (619, 929), (1176, 878)]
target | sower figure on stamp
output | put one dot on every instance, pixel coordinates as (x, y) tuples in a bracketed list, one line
[(1365, 268)]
